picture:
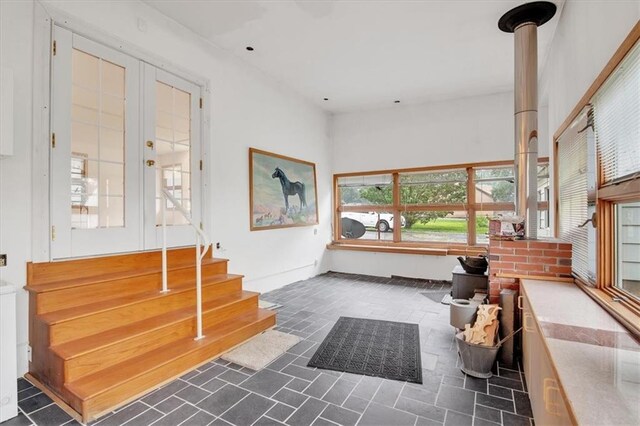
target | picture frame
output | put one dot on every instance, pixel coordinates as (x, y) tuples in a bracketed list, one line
[(282, 191)]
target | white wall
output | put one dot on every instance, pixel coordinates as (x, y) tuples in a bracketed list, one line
[(16, 40), (387, 264), (247, 109), (447, 132)]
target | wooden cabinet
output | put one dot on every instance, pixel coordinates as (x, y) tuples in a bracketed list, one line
[(547, 399)]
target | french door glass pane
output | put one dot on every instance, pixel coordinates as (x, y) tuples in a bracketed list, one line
[(97, 142), (173, 150)]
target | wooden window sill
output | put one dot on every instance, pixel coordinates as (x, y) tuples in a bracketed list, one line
[(400, 249), (534, 277)]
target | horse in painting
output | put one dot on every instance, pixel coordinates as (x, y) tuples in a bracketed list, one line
[(290, 188)]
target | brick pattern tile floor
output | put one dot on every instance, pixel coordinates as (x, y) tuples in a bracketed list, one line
[(290, 393)]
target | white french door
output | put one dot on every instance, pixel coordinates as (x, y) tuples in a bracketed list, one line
[(121, 131), (171, 156), (94, 167)]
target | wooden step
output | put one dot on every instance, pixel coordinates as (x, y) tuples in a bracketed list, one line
[(102, 333), (74, 323), (97, 393), (67, 294), (87, 355), (49, 272)]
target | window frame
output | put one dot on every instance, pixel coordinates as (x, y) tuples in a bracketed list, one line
[(616, 301), (472, 207)]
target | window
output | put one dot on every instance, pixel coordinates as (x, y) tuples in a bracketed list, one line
[(435, 207), (576, 193), (495, 196), (598, 170), (616, 111), (368, 200), (544, 186), (627, 226)]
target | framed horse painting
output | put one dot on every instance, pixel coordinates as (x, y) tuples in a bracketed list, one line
[(282, 191)]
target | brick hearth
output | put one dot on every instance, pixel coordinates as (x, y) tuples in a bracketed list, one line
[(541, 258)]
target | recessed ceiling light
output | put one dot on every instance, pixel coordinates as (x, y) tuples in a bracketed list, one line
[(250, 49), (396, 102), (326, 99)]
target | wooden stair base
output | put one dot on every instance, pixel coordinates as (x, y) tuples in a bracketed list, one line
[(98, 353), (95, 393)]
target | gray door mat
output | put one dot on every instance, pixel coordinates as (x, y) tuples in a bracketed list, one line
[(385, 349)]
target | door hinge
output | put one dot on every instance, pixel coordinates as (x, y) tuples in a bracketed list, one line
[(53, 140), (201, 103), (54, 48), (201, 225), (200, 164), (53, 233)]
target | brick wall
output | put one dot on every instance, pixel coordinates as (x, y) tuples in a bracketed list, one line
[(546, 258)]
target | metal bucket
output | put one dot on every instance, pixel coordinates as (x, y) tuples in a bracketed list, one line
[(477, 360)]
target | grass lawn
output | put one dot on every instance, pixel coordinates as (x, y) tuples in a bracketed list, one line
[(448, 225)]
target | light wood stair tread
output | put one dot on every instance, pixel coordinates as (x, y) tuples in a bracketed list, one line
[(63, 315), (75, 348), (46, 272), (95, 279), (90, 386)]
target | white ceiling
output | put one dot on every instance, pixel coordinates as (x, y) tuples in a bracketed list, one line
[(366, 54)]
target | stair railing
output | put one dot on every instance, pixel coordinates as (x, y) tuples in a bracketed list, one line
[(202, 242)]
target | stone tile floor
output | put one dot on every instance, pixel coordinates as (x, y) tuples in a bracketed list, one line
[(288, 392)]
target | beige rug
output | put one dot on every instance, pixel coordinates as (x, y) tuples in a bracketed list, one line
[(260, 351), (267, 305)]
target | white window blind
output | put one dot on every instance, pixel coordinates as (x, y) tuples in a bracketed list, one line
[(616, 108), (573, 185)]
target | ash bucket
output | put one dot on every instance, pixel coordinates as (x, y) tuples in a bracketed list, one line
[(477, 360)]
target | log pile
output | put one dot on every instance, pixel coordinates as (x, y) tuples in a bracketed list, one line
[(485, 329)]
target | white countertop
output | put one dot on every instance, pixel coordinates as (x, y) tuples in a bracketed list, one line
[(597, 360)]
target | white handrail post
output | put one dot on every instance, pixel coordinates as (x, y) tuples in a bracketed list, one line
[(200, 238), (163, 214), (198, 288)]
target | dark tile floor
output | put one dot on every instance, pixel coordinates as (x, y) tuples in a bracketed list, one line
[(288, 392)]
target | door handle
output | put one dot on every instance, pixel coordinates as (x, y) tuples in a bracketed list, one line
[(150, 144), (549, 386), (520, 302), (151, 163), (524, 323)]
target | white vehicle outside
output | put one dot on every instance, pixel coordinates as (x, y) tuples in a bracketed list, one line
[(381, 221)]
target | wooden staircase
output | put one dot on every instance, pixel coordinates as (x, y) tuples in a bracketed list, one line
[(102, 333)]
